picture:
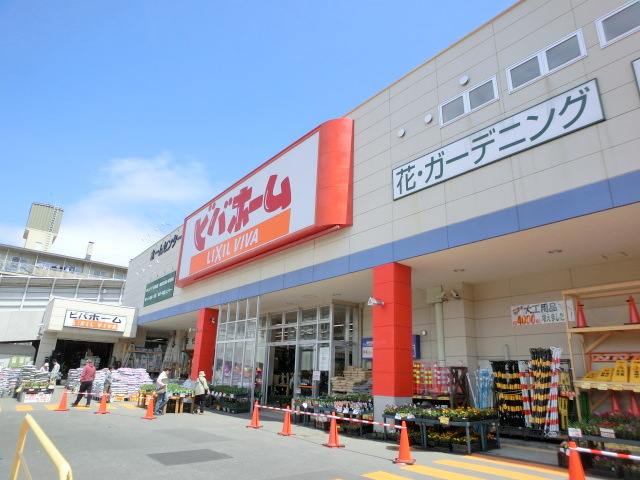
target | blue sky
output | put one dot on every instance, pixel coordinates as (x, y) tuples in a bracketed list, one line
[(132, 114)]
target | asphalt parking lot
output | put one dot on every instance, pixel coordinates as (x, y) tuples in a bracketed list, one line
[(122, 444)]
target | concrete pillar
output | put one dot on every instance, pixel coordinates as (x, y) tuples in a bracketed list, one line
[(392, 326), (205, 344)]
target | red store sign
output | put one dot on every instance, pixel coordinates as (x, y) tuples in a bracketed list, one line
[(303, 192)]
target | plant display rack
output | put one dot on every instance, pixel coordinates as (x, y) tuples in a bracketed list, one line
[(592, 337), (440, 385), (425, 425), (230, 399)]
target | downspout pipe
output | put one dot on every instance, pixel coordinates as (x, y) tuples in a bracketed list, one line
[(440, 332)]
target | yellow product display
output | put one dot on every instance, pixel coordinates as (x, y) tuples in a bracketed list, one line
[(592, 375), (634, 374), (621, 372), (605, 374)]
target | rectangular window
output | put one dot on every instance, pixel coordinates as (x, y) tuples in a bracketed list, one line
[(554, 57), (618, 24), (468, 101)]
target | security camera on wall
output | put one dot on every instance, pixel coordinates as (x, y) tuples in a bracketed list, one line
[(455, 294)]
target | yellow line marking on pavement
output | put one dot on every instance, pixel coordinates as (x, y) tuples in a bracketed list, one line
[(128, 405), (436, 473), (498, 472), (525, 465), (51, 407), (24, 408), (385, 476), (111, 407)]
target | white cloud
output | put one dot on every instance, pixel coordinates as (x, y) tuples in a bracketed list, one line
[(132, 197)]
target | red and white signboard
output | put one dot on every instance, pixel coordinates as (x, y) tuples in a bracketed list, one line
[(96, 321), (303, 192)]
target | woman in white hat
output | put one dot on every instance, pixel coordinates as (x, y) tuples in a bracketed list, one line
[(202, 390)]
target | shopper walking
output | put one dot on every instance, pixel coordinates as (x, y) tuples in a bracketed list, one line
[(161, 389), (106, 390), (55, 372), (202, 390), (86, 382)]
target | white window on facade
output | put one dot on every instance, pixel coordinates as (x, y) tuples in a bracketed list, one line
[(468, 101), (548, 60), (618, 24)]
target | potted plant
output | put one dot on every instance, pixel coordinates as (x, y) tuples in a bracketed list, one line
[(606, 466)]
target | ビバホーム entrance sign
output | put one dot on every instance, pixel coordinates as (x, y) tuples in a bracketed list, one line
[(303, 192)]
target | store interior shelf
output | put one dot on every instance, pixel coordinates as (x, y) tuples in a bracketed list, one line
[(615, 386)]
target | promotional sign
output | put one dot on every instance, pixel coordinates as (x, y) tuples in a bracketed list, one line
[(301, 193), (96, 321), (324, 354), (160, 289), (538, 313), (37, 397), (566, 113), (367, 347)]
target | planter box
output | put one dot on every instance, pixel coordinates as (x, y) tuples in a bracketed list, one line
[(605, 472), (462, 448), (628, 475), (563, 460)]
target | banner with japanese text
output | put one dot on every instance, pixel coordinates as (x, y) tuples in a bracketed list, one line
[(160, 289), (563, 114), (538, 313)]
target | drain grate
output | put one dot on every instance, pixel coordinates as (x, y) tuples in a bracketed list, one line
[(186, 457)]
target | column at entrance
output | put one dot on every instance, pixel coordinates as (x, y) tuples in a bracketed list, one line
[(205, 342), (392, 325)]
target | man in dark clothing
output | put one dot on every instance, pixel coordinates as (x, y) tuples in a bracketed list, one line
[(86, 382)]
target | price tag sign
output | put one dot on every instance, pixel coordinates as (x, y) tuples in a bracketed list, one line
[(636, 389), (586, 386), (575, 432), (305, 405), (607, 433), (616, 387), (444, 420), (603, 386), (345, 410)]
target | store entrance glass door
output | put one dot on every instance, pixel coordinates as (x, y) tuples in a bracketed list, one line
[(304, 385)]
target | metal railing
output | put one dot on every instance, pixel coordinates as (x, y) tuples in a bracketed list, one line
[(59, 462), (44, 270)]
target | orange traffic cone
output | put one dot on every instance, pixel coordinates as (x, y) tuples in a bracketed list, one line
[(576, 472), (634, 318), (404, 452), (580, 321), (615, 406), (103, 404), (333, 436), (63, 403), (286, 426), (255, 418), (635, 410), (149, 415)]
